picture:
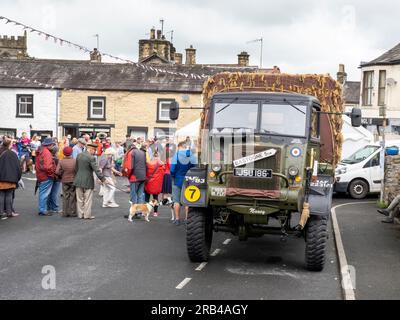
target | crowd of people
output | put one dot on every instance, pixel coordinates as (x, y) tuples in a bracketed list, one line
[(71, 168)]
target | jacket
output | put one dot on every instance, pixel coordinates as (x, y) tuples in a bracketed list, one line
[(138, 165), (45, 165), (10, 170), (84, 168), (66, 170), (181, 162)]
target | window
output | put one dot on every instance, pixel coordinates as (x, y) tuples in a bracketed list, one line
[(368, 86), (163, 106), (96, 108), (382, 88), (24, 106), (164, 132), (136, 132), (8, 132)]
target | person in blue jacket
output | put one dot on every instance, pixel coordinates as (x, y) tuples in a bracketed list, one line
[(181, 162)]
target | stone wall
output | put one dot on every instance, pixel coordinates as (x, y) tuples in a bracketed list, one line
[(392, 178)]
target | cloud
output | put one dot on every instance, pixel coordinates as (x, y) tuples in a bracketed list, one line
[(306, 36)]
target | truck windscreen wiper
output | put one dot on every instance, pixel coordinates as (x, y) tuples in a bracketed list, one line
[(223, 108), (291, 104)]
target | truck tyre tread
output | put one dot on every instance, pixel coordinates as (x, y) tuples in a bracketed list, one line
[(316, 237), (198, 235)]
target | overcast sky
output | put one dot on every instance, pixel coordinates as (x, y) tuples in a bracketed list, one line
[(307, 36)]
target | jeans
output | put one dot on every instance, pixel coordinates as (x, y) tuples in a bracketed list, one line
[(48, 195), (137, 192), (6, 201)]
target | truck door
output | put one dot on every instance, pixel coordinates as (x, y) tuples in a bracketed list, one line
[(375, 174)]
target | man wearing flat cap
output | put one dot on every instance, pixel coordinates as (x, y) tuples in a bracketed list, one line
[(78, 148), (46, 176), (84, 180)]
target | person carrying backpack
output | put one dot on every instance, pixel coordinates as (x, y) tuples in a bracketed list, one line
[(154, 179)]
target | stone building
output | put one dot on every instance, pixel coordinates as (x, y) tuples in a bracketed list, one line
[(14, 48)]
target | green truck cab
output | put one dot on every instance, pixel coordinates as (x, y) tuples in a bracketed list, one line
[(259, 173)]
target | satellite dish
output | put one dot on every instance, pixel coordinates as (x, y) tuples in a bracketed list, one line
[(391, 82)]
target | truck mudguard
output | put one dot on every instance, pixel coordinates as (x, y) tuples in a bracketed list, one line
[(320, 198), (194, 188)]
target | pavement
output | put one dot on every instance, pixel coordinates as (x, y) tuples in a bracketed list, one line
[(110, 258)]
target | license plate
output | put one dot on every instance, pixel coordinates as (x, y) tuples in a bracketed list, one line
[(253, 173), (218, 192)]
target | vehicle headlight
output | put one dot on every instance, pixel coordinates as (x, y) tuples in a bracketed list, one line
[(217, 168), (293, 171), (341, 170)]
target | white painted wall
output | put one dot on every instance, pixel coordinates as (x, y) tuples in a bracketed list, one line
[(44, 110), (392, 98)]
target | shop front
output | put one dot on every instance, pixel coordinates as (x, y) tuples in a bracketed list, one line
[(79, 129)]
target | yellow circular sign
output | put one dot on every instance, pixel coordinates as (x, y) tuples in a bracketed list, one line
[(192, 194)]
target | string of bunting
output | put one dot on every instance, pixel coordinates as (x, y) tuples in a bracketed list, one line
[(86, 50)]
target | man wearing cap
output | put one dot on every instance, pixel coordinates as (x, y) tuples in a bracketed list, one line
[(84, 180), (46, 175), (78, 148), (66, 171)]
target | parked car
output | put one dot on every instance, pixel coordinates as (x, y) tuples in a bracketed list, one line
[(360, 173)]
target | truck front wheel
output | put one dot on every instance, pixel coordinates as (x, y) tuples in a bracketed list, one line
[(316, 237), (199, 232)]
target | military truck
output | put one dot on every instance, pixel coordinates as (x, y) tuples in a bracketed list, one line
[(268, 148)]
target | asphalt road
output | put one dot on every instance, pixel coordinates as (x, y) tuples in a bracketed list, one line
[(109, 258)]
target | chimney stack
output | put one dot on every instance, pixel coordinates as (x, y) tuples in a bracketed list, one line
[(178, 58), (341, 75), (159, 34), (243, 59), (95, 56), (152, 33), (190, 56)]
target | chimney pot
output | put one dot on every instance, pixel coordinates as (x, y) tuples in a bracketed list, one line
[(158, 34), (152, 33)]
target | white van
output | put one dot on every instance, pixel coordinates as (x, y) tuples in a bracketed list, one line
[(360, 173)]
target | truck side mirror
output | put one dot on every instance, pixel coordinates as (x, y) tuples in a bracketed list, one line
[(174, 111), (355, 117)]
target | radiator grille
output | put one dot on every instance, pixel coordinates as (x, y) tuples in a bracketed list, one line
[(257, 183)]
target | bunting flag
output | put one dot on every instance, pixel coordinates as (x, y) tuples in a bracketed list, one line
[(82, 48)]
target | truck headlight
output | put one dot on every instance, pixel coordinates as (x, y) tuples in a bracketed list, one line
[(217, 168), (293, 171)]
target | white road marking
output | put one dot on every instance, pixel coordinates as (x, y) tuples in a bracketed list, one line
[(348, 292), (215, 252), (31, 179), (254, 271), (201, 266), (183, 283), (227, 241)]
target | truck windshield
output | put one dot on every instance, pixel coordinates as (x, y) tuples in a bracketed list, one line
[(235, 115), (360, 155), (284, 119)]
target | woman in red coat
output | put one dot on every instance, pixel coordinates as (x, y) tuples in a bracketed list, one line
[(154, 179)]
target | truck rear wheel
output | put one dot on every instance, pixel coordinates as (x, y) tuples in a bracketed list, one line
[(199, 232), (316, 236)]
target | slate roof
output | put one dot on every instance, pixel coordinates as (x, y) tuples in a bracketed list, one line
[(351, 92), (390, 57), (86, 75)]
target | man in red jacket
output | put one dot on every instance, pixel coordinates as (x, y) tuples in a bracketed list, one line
[(45, 174)]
